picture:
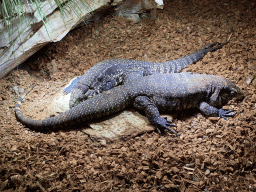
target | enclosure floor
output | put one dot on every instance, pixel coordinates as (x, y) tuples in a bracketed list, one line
[(209, 154)]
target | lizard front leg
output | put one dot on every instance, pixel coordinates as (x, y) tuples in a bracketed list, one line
[(152, 113), (210, 110)]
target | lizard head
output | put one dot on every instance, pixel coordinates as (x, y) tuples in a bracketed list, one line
[(228, 92), (235, 91)]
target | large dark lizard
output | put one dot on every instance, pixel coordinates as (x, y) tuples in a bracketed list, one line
[(109, 73), (159, 92)]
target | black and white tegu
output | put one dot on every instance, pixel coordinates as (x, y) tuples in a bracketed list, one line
[(159, 92)]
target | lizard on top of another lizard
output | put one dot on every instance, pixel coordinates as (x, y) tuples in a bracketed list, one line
[(159, 92), (109, 73)]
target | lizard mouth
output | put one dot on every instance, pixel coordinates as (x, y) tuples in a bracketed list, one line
[(239, 94), (235, 91), (240, 97)]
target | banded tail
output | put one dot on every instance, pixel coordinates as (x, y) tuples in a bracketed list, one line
[(183, 62), (93, 108)]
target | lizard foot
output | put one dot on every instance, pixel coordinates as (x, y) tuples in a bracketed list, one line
[(162, 122), (223, 113)]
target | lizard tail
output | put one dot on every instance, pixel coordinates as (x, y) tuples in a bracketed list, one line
[(178, 64), (100, 105), (210, 48), (20, 115), (20, 100)]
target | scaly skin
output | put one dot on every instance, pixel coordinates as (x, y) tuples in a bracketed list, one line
[(160, 92), (107, 74)]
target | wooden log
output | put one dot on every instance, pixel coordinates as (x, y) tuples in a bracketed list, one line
[(31, 35)]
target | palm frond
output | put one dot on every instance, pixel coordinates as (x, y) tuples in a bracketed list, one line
[(13, 10)]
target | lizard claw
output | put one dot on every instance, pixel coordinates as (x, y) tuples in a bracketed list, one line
[(162, 122), (223, 113)]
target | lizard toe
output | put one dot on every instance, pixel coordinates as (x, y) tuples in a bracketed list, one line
[(223, 113), (158, 130), (163, 123)]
